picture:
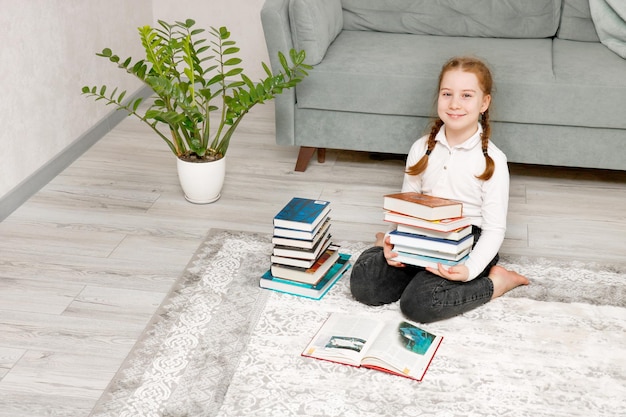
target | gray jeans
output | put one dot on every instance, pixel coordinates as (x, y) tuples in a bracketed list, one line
[(424, 297)]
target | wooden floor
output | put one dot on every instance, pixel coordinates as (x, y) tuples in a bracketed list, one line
[(87, 260)]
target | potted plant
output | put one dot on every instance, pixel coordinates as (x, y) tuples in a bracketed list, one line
[(201, 94)]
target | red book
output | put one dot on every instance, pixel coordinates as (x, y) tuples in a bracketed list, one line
[(389, 344), (423, 206), (310, 275)]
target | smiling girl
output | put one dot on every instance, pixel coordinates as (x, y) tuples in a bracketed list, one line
[(456, 161)]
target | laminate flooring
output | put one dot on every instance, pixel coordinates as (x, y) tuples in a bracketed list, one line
[(86, 261)]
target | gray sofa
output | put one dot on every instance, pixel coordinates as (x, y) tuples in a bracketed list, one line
[(560, 74)]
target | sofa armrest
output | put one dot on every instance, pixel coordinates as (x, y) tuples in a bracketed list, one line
[(277, 32)]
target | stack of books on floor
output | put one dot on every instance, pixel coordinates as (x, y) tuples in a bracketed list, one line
[(429, 230), (304, 260)]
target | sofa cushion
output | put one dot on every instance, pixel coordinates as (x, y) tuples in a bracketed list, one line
[(485, 18), (363, 70), (590, 85), (314, 25), (609, 17), (576, 23), (396, 74)]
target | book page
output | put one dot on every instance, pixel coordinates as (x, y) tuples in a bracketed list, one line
[(344, 338), (404, 348)]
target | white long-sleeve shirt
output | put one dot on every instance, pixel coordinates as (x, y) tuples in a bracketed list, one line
[(451, 173)]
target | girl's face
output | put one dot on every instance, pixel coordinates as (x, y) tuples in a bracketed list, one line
[(460, 103)]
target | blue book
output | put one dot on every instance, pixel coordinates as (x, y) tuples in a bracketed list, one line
[(431, 243), (316, 291), (302, 214)]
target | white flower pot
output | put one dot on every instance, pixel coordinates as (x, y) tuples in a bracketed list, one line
[(201, 181)]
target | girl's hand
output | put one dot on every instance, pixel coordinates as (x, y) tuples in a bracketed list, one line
[(388, 250), (454, 273)]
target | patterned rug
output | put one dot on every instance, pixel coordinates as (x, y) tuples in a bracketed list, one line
[(220, 346)]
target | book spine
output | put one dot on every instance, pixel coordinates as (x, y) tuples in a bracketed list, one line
[(425, 242)]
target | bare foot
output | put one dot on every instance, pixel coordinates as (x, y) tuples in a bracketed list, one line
[(505, 280), (380, 238)]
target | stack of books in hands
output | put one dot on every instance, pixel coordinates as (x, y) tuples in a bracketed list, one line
[(429, 230), (304, 260)]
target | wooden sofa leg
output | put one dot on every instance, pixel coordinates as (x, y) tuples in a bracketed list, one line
[(321, 155), (305, 155)]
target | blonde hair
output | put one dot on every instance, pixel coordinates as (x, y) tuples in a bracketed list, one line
[(485, 81)]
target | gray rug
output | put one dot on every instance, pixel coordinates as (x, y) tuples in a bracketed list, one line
[(220, 346)]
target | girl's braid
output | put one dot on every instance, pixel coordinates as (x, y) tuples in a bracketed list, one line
[(420, 166), (489, 164)]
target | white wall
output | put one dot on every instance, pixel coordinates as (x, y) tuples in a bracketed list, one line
[(48, 53)]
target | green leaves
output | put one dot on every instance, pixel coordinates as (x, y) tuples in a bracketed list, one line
[(232, 61), (193, 76), (230, 51), (113, 98)]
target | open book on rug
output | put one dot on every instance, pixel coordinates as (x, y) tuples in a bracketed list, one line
[(395, 346)]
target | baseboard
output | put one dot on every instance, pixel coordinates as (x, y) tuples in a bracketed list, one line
[(27, 188)]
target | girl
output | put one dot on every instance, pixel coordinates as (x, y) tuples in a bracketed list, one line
[(457, 161)]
